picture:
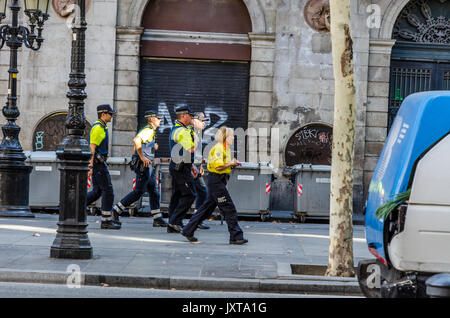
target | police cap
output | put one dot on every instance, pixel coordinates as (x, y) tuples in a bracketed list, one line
[(152, 113), (105, 108), (183, 109)]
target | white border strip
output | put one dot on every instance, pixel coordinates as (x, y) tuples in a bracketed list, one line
[(195, 37)]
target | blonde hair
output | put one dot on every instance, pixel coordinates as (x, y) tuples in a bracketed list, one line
[(223, 133)]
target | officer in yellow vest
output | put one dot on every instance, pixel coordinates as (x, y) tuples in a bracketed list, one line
[(181, 141), (145, 146), (98, 169), (220, 164)]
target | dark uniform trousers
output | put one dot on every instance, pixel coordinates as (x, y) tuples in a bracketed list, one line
[(200, 189), (183, 193), (145, 180), (101, 186), (218, 195)]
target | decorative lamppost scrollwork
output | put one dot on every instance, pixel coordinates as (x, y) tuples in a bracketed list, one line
[(14, 173), (72, 240), (36, 11)]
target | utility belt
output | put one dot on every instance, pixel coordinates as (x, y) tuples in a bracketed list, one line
[(136, 164), (180, 166), (221, 176), (100, 159)]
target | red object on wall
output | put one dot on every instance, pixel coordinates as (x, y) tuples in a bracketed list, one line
[(205, 16), (210, 51), (225, 16)]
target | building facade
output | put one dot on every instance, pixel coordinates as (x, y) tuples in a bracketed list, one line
[(259, 64)]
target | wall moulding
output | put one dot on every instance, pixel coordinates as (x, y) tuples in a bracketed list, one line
[(382, 46)]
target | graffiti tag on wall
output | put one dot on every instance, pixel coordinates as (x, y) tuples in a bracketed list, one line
[(217, 117), (311, 144), (51, 131)]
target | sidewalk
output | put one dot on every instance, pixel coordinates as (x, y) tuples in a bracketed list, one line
[(140, 255)]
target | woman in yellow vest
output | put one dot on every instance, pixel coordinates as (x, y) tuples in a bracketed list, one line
[(220, 164)]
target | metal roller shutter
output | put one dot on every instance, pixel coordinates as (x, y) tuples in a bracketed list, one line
[(219, 89)]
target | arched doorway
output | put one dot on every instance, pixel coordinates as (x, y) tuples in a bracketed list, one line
[(197, 53), (311, 144), (420, 58), (51, 130)]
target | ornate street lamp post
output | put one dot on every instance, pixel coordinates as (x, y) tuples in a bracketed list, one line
[(14, 173), (72, 240)]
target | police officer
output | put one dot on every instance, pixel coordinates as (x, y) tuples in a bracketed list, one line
[(181, 141), (220, 164), (145, 146), (198, 124), (101, 180)]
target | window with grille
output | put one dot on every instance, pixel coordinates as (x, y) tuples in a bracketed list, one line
[(408, 77)]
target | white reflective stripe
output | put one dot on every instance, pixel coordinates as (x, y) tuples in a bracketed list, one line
[(222, 199), (109, 218), (156, 213), (176, 133), (117, 209), (106, 213), (121, 206)]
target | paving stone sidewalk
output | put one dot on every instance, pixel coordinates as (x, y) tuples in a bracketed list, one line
[(140, 254)]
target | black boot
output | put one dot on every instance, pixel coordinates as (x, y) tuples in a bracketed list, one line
[(159, 222), (190, 238), (238, 242), (110, 225), (115, 217), (116, 211), (172, 228), (202, 226)]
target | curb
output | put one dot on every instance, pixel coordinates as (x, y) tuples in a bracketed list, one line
[(335, 287)]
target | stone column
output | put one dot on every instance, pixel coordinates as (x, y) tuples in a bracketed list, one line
[(126, 95), (361, 40), (260, 101), (377, 104)]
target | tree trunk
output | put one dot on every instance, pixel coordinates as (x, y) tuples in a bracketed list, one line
[(340, 260)]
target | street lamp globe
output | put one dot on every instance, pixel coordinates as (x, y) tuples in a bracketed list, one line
[(31, 5), (40, 7), (37, 12), (43, 6), (37, 5)]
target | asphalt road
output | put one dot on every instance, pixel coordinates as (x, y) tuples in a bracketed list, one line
[(23, 290)]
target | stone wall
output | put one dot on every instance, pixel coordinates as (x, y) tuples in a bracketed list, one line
[(379, 51), (126, 90), (291, 74), (291, 77), (43, 75), (262, 39)]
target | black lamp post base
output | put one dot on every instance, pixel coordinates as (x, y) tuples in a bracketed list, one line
[(72, 240), (71, 244), (14, 188), (67, 253)]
